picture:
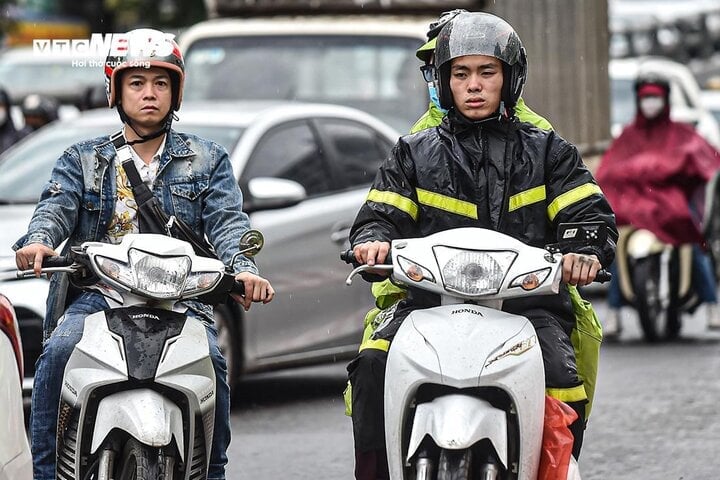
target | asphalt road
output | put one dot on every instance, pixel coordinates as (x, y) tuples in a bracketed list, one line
[(656, 415)]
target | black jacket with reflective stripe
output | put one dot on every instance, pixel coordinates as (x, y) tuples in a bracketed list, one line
[(500, 174)]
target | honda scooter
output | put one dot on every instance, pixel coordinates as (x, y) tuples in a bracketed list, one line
[(464, 382), (138, 396)]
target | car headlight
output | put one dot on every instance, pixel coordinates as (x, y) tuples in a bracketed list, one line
[(158, 277), (473, 272)]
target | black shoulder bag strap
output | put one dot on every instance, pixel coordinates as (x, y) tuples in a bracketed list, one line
[(151, 217)]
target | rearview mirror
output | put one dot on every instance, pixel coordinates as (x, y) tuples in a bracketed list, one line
[(266, 193), (251, 243)]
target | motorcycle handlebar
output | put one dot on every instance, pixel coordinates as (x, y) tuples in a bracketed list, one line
[(52, 264), (57, 261), (237, 288), (348, 256), (603, 276)]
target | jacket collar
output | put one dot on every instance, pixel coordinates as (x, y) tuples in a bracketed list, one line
[(457, 123), (175, 147)]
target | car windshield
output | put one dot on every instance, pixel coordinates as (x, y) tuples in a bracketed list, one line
[(26, 167), (623, 101), (57, 78), (377, 74)]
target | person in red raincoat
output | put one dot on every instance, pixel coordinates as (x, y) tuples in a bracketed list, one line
[(650, 175)]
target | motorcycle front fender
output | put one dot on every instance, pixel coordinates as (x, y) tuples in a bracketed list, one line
[(145, 414), (459, 421)]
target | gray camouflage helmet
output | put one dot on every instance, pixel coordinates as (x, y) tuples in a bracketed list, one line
[(476, 33)]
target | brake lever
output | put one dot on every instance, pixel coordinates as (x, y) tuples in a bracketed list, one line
[(366, 268)]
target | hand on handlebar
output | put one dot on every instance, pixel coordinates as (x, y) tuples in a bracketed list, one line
[(580, 269), (371, 253), (31, 257), (257, 289)]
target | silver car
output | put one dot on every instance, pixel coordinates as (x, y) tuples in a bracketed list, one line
[(304, 170)]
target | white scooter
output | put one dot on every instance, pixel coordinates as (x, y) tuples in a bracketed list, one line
[(465, 384), (138, 397)]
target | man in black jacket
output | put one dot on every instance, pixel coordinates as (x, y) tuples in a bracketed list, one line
[(480, 167)]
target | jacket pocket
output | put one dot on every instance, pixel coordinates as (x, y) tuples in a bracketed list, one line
[(187, 200), (89, 215)]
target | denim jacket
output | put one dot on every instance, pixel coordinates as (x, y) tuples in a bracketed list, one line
[(195, 182)]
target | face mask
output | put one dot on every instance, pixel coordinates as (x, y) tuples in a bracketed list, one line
[(650, 107), (434, 96)]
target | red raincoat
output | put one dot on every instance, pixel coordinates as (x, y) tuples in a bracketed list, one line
[(652, 172)]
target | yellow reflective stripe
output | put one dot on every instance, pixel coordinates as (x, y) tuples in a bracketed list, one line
[(528, 197), (574, 394), (383, 345), (570, 197), (394, 199), (449, 204)]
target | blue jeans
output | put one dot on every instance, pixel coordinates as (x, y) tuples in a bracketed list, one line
[(614, 297), (703, 276), (703, 280), (48, 384)]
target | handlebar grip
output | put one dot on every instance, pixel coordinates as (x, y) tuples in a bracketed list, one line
[(603, 276), (237, 288), (57, 261), (347, 256)]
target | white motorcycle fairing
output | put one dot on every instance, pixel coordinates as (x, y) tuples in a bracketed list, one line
[(498, 350), (183, 364)]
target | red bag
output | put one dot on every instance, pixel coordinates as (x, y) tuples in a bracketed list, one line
[(557, 441)]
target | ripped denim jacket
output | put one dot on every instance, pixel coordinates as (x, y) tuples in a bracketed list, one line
[(195, 182)]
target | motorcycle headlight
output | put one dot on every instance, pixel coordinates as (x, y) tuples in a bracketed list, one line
[(158, 277), (473, 272)]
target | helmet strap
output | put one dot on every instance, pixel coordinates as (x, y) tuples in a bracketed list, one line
[(167, 124)]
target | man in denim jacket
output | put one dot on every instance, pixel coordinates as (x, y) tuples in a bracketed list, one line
[(89, 198)]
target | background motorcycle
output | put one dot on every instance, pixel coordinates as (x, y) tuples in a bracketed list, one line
[(464, 382), (656, 279), (138, 397)]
